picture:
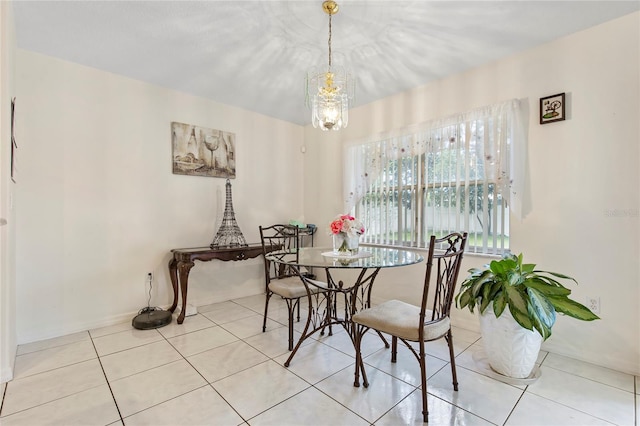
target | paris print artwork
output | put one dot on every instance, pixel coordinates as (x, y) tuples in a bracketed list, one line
[(198, 151)]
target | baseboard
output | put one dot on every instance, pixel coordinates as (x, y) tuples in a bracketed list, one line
[(6, 374), (611, 363), (76, 328)]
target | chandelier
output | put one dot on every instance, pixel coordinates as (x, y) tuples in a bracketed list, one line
[(328, 93)]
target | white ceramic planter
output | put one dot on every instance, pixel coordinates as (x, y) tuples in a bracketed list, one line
[(510, 349)]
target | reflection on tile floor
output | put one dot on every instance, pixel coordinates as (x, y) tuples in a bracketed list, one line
[(219, 368)]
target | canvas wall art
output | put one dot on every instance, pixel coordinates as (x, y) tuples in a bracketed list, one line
[(198, 151)]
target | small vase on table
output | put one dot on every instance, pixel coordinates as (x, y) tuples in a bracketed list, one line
[(345, 245)]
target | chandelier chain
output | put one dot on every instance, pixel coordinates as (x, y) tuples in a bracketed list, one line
[(329, 42)]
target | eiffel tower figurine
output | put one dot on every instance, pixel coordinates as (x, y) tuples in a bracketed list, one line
[(229, 233)]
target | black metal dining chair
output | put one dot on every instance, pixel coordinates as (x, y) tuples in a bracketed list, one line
[(282, 279), (427, 322)]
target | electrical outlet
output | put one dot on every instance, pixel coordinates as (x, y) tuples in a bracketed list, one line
[(593, 303)]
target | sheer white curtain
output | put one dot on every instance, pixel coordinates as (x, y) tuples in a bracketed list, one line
[(504, 151)]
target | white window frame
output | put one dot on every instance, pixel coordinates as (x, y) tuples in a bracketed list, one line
[(493, 135)]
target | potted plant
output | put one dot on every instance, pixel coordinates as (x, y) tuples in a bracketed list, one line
[(512, 337)]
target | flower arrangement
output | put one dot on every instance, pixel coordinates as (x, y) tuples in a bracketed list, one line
[(346, 224), (345, 230)]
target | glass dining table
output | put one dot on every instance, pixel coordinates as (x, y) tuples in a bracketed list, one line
[(333, 301)]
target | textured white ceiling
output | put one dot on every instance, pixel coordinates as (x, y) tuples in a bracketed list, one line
[(254, 54)]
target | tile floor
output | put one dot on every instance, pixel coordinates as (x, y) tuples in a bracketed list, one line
[(218, 368)]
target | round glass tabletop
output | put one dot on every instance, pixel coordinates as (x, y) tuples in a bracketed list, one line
[(367, 257)]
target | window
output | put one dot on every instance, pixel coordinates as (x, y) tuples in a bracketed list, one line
[(443, 176)]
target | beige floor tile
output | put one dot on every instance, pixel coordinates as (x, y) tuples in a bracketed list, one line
[(406, 367), (223, 361), (590, 371), (533, 410), (225, 312), (409, 412), (440, 349), (132, 361), (48, 359), (342, 341), (309, 407), (477, 394), (50, 385), (371, 403), (599, 400), (91, 407), (110, 329), (144, 390), (59, 381), (252, 391), (317, 361), (124, 340), (280, 314), (52, 343), (466, 358), (190, 324), (256, 302), (202, 406), (202, 340), (274, 342), (248, 326)]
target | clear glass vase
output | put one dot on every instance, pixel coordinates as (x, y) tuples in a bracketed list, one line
[(345, 245)]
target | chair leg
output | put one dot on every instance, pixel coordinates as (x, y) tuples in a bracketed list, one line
[(449, 339), (356, 341), (359, 332), (423, 382), (266, 309), (394, 348), (291, 305), (386, 344), (304, 334)]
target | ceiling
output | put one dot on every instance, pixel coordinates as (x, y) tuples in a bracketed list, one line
[(254, 54)]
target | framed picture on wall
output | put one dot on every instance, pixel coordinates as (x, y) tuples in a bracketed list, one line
[(552, 108), (198, 151)]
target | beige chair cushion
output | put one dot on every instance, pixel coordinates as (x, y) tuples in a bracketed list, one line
[(293, 288), (401, 319)]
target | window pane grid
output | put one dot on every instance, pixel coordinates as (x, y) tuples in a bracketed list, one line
[(444, 186)]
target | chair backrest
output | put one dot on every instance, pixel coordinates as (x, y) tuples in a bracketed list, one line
[(443, 266), (278, 238)]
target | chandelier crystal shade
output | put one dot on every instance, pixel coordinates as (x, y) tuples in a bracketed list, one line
[(329, 92)]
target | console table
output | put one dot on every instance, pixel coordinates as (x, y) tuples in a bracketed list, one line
[(183, 260)]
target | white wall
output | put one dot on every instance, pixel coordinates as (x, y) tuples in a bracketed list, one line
[(8, 343), (584, 198), (99, 206)]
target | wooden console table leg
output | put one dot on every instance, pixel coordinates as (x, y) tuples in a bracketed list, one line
[(183, 269), (173, 274)]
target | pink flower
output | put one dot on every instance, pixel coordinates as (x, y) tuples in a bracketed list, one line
[(346, 224), (336, 226)]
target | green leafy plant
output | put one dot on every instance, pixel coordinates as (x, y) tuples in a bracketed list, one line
[(533, 296)]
